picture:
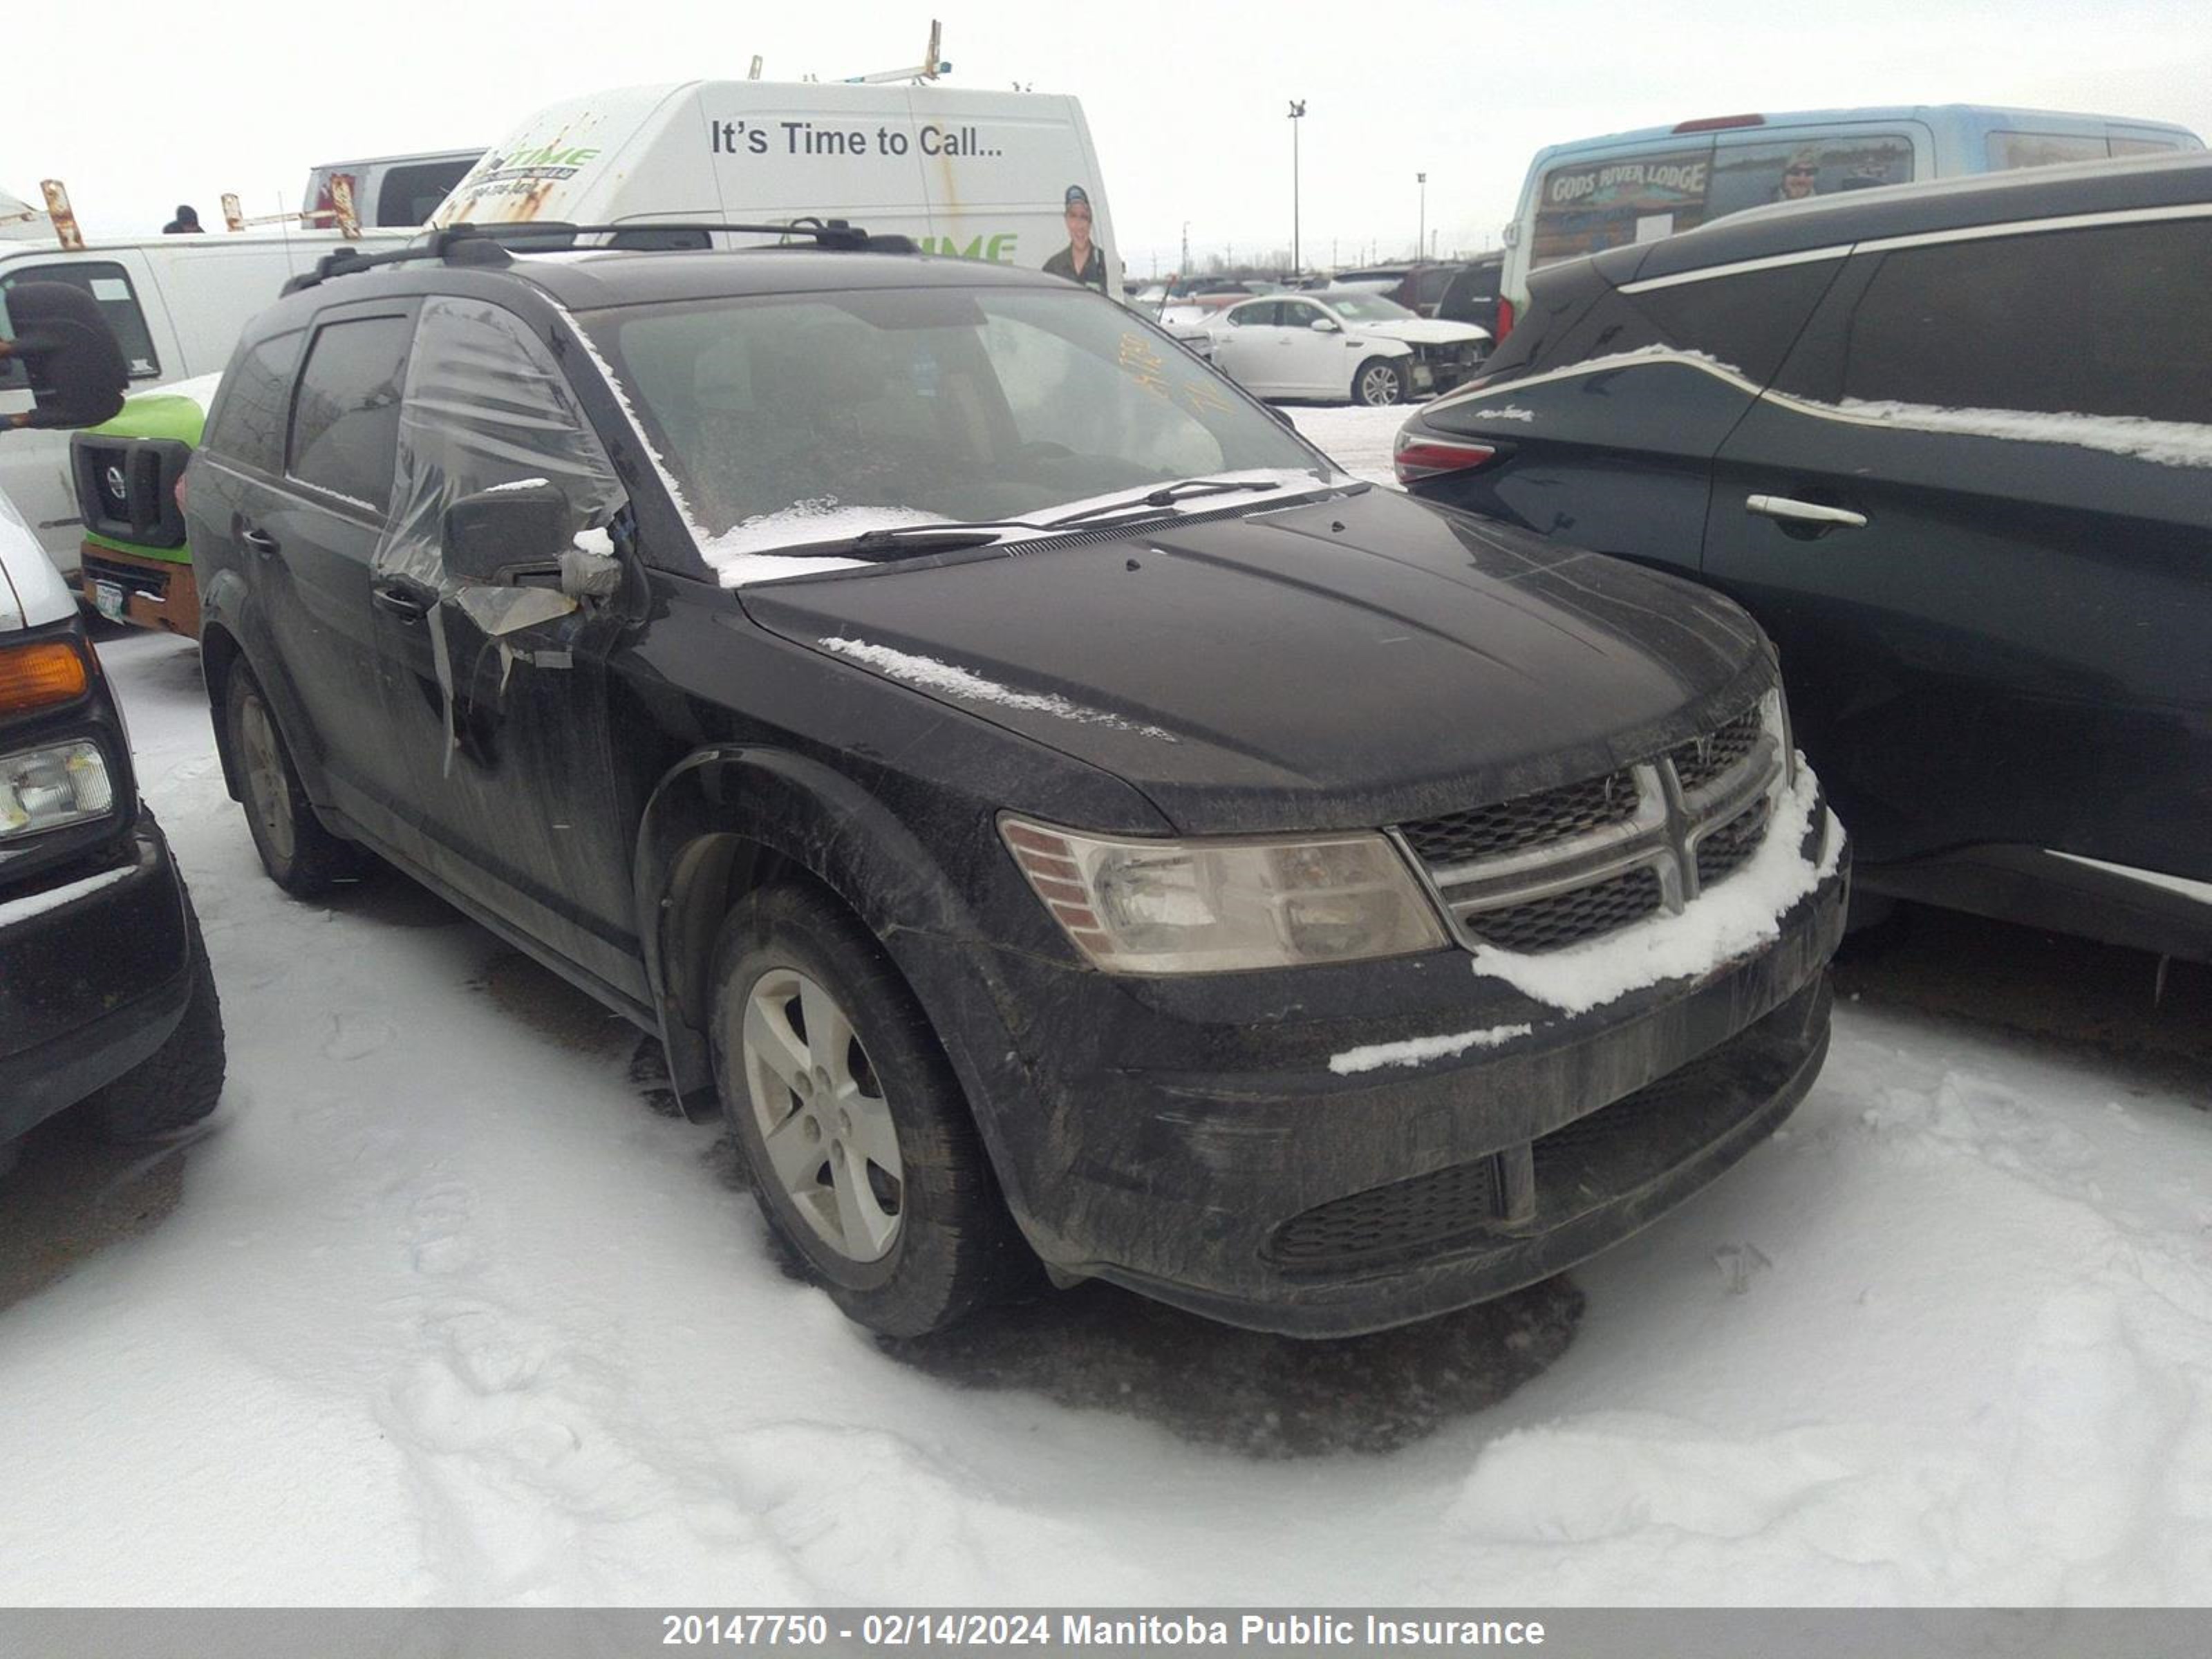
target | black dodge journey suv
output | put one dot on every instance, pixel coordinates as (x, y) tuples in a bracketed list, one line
[(1051, 811)]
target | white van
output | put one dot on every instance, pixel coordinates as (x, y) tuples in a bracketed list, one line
[(395, 191), (176, 303), (1006, 176)]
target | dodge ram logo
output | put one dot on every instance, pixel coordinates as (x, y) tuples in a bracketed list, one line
[(116, 486)]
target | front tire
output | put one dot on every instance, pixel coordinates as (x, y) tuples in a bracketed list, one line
[(1379, 382), (300, 856), (180, 1083), (857, 1137)]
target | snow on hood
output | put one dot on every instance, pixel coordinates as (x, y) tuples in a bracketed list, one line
[(943, 676)]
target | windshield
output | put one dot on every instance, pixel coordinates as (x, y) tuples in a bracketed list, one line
[(1367, 307), (826, 412)]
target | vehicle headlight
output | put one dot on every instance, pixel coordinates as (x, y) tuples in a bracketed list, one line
[(1136, 906), (52, 788)]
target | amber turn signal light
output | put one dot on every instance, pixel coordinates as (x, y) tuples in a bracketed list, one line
[(41, 676)]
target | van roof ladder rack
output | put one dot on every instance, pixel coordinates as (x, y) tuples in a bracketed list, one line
[(497, 245)]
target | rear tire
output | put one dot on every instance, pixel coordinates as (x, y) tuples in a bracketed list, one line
[(858, 1138), (180, 1083), (300, 854), (1378, 384)]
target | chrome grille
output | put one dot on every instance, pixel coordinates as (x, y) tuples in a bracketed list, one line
[(1551, 924), (1551, 869), (1701, 760), (1526, 821)]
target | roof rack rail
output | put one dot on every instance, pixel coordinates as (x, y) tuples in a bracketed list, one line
[(497, 245)]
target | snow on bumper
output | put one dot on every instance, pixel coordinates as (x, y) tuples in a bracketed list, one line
[(1203, 1140)]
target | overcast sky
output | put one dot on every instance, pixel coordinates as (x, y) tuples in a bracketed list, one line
[(139, 107)]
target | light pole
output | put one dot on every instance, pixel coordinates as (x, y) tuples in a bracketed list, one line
[(1421, 241), (1298, 114), (1182, 271)]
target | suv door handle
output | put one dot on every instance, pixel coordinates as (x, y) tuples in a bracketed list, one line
[(1791, 511), (260, 541), (408, 603)]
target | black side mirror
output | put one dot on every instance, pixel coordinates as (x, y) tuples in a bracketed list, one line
[(507, 531), (76, 369)]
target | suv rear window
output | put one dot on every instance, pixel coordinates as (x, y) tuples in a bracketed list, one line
[(1586, 207), (1746, 323), (1976, 325), (345, 421), (248, 423)]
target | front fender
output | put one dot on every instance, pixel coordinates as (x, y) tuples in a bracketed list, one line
[(722, 820)]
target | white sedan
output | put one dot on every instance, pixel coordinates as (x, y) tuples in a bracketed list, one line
[(1340, 343)]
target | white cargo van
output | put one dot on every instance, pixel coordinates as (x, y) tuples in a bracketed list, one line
[(1004, 176), (176, 303)]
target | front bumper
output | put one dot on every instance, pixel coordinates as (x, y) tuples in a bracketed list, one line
[(95, 972), (1189, 1140)]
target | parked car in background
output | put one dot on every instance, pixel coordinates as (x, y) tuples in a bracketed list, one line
[(1418, 287), (108, 1004), (1472, 295), (390, 190), (1986, 557), (1342, 344), (1627, 187), (869, 671)]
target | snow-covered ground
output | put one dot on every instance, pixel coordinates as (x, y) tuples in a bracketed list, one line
[(445, 1312)]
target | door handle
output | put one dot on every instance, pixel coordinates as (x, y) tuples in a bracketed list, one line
[(403, 602), (1791, 511), (261, 542)]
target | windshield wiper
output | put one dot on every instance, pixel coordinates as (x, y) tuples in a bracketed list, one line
[(900, 540), (1167, 495)]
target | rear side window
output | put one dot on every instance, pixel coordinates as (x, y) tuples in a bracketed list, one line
[(1586, 207), (1752, 175), (1746, 323), (2114, 320), (2008, 150), (411, 194), (109, 284), (345, 420), (248, 424)]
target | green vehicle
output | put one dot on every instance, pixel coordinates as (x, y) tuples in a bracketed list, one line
[(137, 568)]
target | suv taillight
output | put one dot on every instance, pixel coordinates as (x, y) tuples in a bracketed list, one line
[(1424, 455), (1505, 321)]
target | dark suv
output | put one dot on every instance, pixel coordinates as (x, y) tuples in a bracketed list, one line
[(1978, 525), (1050, 809)]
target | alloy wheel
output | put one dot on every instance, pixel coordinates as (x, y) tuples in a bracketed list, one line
[(266, 786), (832, 1148)]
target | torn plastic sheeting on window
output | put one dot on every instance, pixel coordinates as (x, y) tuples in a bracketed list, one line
[(485, 408)]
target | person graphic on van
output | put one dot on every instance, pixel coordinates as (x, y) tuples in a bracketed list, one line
[(1082, 260), (1801, 178)]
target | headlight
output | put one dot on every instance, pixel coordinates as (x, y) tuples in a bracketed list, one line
[(43, 789), (1134, 906)]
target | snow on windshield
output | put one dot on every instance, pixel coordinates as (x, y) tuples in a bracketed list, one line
[(925, 405)]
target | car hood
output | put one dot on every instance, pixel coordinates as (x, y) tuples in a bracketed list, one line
[(1425, 331), (1360, 660)]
